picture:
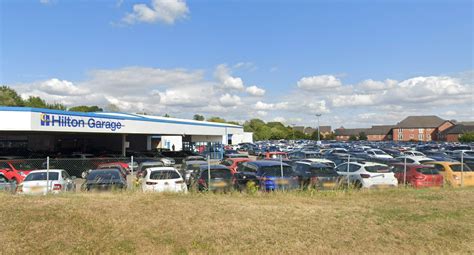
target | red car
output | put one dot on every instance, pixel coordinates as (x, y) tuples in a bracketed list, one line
[(418, 176), (233, 163), (15, 171)]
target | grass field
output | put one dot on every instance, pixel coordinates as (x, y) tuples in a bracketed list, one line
[(386, 221)]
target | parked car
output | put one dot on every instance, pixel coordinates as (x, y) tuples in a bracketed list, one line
[(233, 163), (414, 153), (194, 158), (452, 172), (190, 169), (299, 155), (439, 156), (236, 156), (41, 182), (418, 176), (104, 180), (320, 160), (421, 160), (122, 166), (378, 154), (392, 152), (148, 164), (245, 173), (367, 175), (163, 179), (6, 185), (315, 175), (221, 178), (273, 175), (16, 170)]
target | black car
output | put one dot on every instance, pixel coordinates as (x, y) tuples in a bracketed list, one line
[(315, 175), (221, 178), (246, 173), (103, 180)]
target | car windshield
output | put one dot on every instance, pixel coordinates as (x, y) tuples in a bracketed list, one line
[(424, 162), (469, 153), (380, 153), (419, 154), (276, 171), (278, 156), (321, 171), (311, 155), (164, 175), (218, 174), (377, 169), (22, 166), (105, 175), (457, 168), (42, 176), (427, 170)]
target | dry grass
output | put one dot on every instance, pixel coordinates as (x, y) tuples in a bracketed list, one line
[(387, 221)]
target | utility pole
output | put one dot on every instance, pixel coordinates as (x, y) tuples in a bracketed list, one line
[(319, 131)]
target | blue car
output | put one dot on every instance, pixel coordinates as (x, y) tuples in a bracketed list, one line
[(273, 175)]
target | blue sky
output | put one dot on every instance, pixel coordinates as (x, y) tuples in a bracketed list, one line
[(51, 47)]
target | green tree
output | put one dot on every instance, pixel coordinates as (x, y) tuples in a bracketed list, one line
[(198, 117), (314, 135), (330, 136), (36, 102), (353, 138), (56, 106), (362, 136), (84, 108), (9, 97), (167, 115), (216, 119), (467, 137)]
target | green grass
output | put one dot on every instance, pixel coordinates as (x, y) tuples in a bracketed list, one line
[(382, 221)]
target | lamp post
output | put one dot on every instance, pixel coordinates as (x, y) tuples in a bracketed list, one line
[(319, 131)]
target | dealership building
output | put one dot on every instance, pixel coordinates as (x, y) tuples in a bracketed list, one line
[(54, 130)]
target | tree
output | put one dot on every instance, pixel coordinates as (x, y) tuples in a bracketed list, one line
[(330, 136), (314, 135), (35, 102), (198, 117), (167, 115), (467, 137), (216, 119), (362, 136), (9, 97), (56, 106), (84, 108), (353, 138)]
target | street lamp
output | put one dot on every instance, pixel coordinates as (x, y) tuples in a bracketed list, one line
[(319, 131)]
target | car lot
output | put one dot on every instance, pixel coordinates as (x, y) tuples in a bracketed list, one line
[(277, 165)]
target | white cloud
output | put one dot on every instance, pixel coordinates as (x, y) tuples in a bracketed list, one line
[(264, 106), (353, 100), (229, 100), (279, 119), (255, 91), (62, 88), (371, 85), (165, 11), (222, 73), (319, 82)]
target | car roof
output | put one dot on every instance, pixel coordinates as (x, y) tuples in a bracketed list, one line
[(150, 162), (46, 170), (194, 162), (261, 163), (160, 169), (205, 167), (313, 164)]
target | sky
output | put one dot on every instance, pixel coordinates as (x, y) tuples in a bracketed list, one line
[(358, 63)]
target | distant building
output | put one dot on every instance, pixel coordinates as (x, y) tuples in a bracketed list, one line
[(344, 134), (420, 128), (375, 133), (453, 133)]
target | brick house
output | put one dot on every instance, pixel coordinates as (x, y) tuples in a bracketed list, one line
[(379, 133), (420, 128), (343, 134), (453, 133)]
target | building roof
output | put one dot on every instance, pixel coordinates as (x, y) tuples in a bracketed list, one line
[(431, 121), (458, 129), (325, 129), (350, 131), (380, 130)]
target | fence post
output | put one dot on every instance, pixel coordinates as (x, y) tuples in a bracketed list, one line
[(348, 164), (131, 171), (405, 172), (47, 175), (208, 173), (462, 169)]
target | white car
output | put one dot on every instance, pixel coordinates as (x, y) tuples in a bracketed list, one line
[(163, 179), (415, 160), (367, 175), (377, 153), (36, 182), (414, 154)]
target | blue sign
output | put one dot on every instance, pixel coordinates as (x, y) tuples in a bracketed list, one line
[(55, 120)]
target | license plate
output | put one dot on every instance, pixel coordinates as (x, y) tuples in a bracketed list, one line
[(282, 182), (219, 184), (329, 184)]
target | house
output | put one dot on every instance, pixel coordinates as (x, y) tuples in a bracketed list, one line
[(344, 134), (325, 130), (453, 133), (420, 128), (379, 133)]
